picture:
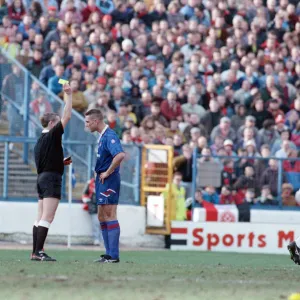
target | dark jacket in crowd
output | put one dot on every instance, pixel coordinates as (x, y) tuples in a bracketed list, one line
[(184, 166), (260, 117), (260, 166), (187, 131), (46, 73), (35, 67), (270, 178), (211, 120), (245, 182)]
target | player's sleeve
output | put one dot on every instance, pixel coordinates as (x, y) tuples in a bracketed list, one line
[(114, 145)]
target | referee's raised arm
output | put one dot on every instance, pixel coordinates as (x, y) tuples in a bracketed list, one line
[(68, 107)]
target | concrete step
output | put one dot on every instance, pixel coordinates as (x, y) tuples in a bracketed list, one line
[(19, 180), (31, 189), (14, 160), (16, 167), (11, 154), (22, 189), (11, 158), (21, 186), (15, 171), (22, 192), (22, 196), (23, 178), (3, 127)]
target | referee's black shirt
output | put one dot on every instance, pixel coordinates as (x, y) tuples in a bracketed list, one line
[(48, 151)]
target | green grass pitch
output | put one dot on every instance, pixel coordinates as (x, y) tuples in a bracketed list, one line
[(155, 275)]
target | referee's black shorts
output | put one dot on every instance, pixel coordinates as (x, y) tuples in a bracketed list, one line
[(49, 185)]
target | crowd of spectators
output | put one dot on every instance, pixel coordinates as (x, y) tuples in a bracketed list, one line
[(219, 76)]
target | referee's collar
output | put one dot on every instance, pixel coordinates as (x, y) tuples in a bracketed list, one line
[(45, 130)]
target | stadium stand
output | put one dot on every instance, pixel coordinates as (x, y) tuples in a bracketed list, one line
[(21, 177), (219, 76)]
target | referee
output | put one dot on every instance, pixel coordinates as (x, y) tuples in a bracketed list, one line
[(49, 160), (109, 156)]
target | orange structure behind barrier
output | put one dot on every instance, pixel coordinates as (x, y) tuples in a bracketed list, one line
[(156, 173)]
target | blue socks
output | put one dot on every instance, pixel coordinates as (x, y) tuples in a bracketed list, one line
[(113, 233), (105, 236)]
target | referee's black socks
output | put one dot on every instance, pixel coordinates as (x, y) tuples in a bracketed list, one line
[(34, 235), (42, 232)]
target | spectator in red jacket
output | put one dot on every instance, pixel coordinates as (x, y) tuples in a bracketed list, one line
[(70, 6), (89, 9), (292, 165), (170, 108), (228, 174), (16, 11), (40, 106), (226, 196)]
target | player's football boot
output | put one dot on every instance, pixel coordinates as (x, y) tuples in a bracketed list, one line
[(112, 261), (294, 252), (42, 256), (103, 258)]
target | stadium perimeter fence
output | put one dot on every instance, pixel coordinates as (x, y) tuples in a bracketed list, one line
[(19, 177)]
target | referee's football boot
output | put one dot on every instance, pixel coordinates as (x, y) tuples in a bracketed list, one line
[(32, 254), (294, 252), (42, 256), (104, 259)]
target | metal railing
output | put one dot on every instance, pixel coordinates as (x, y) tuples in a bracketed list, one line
[(282, 175), (25, 142), (19, 89), (12, 178)]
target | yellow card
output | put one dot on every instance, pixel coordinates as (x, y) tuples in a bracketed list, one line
[(62, 81)]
